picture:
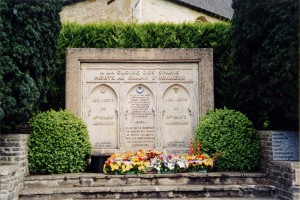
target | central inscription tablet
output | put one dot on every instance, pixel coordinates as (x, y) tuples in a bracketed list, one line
[(139, 118), (129, 105)]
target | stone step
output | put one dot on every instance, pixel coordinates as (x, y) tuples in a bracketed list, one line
[(154, 192), (100, 180), (210, 198)]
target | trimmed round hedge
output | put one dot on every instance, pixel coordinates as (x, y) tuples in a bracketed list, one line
[(59, 143), (232, 134)]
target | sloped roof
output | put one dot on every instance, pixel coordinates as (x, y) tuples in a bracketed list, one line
[(222, 8)]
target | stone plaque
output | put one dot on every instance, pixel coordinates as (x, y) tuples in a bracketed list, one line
[(285, 145), (139, 98), (177, 117), (139, 118), (101, 116)]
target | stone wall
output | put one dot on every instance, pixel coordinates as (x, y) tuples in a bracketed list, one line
[(13, 164), (284, 175), (266, 150), (9, 182)]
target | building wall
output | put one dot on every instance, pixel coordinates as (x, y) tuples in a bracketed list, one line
[(166, 11), (98, 11)]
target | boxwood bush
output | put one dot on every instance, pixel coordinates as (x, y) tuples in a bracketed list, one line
[(232, 134), (59, 143)]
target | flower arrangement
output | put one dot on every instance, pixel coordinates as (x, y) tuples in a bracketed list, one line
[(198, 163), (159, 162), (168, 163), (127, 163)]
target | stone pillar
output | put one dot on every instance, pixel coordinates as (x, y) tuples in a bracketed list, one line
[(9, 182), (266, 157), (13, 164)]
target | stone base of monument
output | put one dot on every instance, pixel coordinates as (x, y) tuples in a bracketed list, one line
[(148, 186)]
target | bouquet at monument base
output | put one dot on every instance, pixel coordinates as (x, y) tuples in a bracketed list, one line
[(158, 162), (127, 163)]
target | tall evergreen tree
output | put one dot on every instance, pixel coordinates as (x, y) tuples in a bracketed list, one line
[(265, 49), (28, 31)]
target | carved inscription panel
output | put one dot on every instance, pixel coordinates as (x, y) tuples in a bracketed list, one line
[(177, 117), (140, 118), (140, 105), (102, 117)]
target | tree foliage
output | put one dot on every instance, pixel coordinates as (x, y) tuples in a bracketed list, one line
[(28, 32), (265, 51)]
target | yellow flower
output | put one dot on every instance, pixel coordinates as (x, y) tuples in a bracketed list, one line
[(124, 168), (146, 164), (128, 167), (104, 166), (114, 167), (119, 164)]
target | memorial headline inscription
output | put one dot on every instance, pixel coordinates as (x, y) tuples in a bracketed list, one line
[(139, 98)]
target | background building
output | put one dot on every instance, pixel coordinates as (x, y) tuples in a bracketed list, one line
[(142, 11)]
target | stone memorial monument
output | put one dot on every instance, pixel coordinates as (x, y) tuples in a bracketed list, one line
[(139, 98)]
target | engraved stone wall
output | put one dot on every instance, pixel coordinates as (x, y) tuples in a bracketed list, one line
[(140, 98)]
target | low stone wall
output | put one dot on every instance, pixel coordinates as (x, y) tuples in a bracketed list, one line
[(284, 175), (13, 164), (9, 182)]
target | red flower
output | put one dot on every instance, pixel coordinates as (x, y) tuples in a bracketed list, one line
[(140, 159), (169, 156)]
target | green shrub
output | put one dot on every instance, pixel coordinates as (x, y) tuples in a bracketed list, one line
[(232, 134), (59, 143)]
